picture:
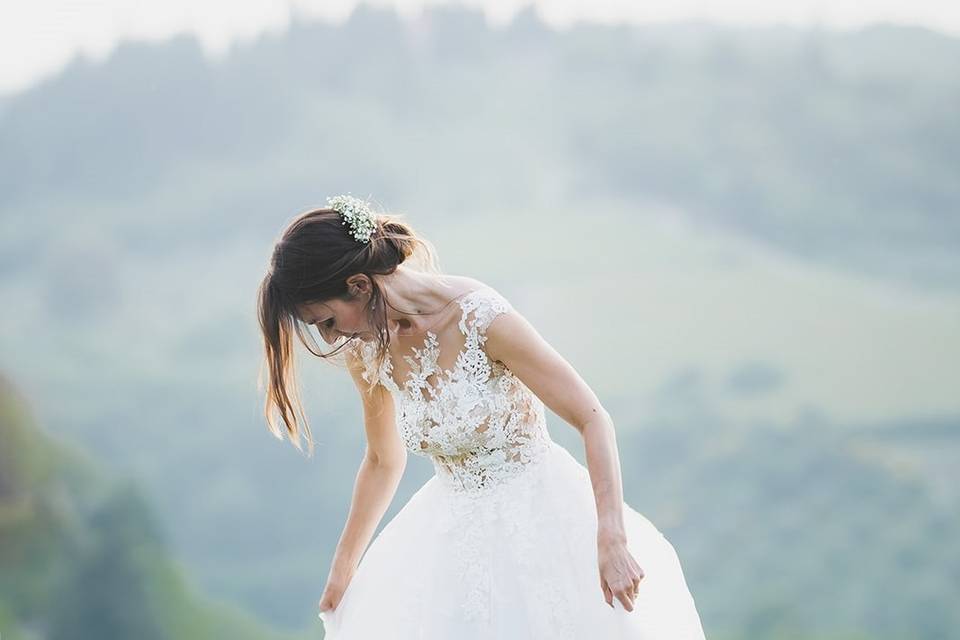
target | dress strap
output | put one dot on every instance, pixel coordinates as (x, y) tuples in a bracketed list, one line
[(480, 307), (365, 351)]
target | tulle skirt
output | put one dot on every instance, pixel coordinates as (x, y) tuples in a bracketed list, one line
[(518, 562)]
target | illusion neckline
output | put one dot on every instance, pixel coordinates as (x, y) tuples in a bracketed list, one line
[(430, 341)]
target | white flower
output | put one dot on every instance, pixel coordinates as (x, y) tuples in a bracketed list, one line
[(355, 213)]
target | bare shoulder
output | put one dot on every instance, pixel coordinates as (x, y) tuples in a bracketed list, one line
[(465, 284)]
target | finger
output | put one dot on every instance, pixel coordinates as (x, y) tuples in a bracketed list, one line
[(625, 600), (607, 593)]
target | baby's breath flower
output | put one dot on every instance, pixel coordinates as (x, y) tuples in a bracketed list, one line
[(355, 213)]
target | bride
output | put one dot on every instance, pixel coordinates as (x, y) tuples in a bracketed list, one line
[(512, 537)]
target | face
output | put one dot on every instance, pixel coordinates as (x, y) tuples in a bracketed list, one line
[(336, 318)]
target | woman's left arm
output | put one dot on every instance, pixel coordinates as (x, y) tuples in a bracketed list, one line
[(512, 340)]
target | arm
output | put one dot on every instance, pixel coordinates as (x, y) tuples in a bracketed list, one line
[(512, 340), (376, 483)]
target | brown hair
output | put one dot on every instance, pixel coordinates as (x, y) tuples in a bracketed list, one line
[(310, 263)]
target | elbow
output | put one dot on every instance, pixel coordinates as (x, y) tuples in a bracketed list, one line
[(397, 463), (391, 460), (596, 415)]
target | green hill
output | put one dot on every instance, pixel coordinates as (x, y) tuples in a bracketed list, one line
[(81, 554), (821, 540)]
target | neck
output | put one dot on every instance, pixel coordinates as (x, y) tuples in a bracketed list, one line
[(413, 293)]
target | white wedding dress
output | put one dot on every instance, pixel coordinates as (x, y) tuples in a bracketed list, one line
[(501, 541)]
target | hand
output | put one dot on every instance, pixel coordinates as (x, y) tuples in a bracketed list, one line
[(333, 592), (620, 575)]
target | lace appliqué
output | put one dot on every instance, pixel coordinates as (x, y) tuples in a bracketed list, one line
[(479, 423)]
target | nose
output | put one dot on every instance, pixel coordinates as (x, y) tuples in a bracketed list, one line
[(325, 333), (330, 336)]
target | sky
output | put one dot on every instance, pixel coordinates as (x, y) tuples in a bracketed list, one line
[(38, 37)]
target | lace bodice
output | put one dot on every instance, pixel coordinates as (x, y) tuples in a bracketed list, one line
[(478, 422)]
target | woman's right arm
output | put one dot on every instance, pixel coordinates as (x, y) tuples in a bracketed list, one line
[(376, 483)]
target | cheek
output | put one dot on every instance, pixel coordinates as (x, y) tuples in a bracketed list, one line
[(358, 322)]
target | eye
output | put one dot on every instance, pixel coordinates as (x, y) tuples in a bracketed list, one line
[(328, 323)]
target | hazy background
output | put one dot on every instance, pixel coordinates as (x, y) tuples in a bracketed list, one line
[(743, 234)]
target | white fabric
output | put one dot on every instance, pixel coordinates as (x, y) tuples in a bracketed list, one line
[(501, 541)]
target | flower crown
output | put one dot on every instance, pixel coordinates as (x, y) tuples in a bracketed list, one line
[(355, 213)]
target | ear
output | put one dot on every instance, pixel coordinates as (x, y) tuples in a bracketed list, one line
[(359, 284)]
